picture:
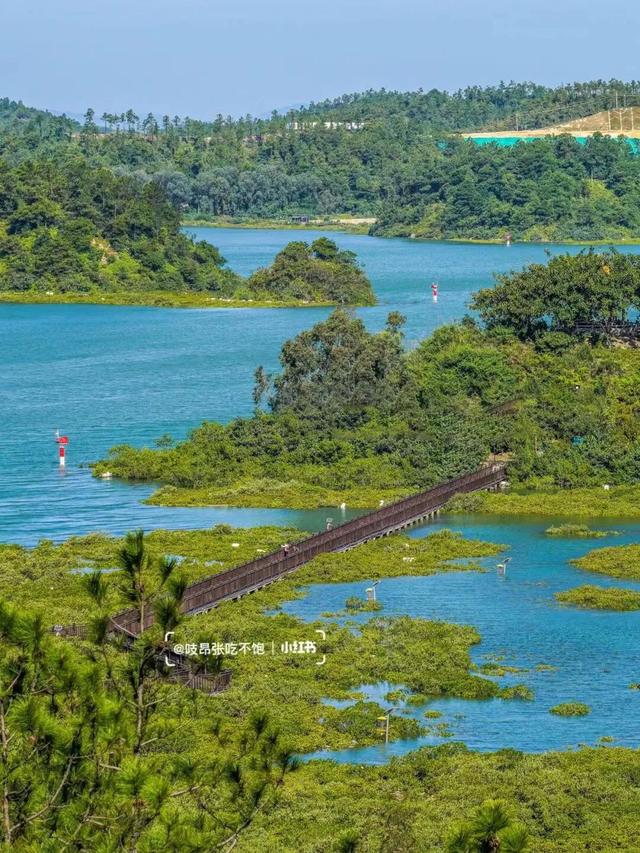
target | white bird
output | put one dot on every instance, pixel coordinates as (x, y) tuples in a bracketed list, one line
[(502, 567)]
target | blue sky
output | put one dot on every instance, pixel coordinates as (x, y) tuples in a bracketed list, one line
[(202, 57)]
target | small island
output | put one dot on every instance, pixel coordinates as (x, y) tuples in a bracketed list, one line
[(617, 562), (578, 531), (570, 709), (591, 597), (316, 273), (74, 233)]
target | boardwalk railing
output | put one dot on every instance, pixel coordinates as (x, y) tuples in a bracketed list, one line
[(171, 665), (624, 329), (233, 583), (206, 682)]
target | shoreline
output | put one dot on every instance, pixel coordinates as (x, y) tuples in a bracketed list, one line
[(591, 502), (153, 299), (359, 226), (363, 230), (617, 504)]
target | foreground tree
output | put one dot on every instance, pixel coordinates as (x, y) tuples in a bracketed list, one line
[(97, 748), (338, 370)]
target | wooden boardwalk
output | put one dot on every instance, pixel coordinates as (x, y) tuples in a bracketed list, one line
[(241, 580)]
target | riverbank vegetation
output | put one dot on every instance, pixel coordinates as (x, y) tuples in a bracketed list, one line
[(339, 222), (430, 658), (591, 597), (352, 418), (54, 572), (549, 189), (72, 233), (617, 502)]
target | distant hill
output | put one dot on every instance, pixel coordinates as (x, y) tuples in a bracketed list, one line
[(507, 106), (394, 157), (625, 120)]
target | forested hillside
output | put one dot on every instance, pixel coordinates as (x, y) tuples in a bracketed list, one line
[(549, 189), (71, 228), (505, 106), (385, 154)]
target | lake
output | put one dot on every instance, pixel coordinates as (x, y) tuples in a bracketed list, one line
[(106, 375)]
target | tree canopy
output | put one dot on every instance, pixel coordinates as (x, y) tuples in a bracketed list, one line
[(338, 370), (73, 228), (591, 287), (319, 272), (552, 188), (386, 154), (97, 746)]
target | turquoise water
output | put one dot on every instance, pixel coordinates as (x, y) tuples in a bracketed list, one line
[(107, 375), (596, 654)]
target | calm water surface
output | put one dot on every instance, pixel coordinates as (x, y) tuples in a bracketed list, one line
[(107, 375), (595, 654)]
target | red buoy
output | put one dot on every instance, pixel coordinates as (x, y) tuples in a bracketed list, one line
[(61, 441)]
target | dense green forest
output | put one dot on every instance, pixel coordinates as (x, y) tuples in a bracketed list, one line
[(548, 189), (384, 154), (73, 230), (352, 416), (76, 229)]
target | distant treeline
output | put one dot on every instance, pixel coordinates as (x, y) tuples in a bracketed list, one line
[(386, 154), (489, 107), (550, 189)]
